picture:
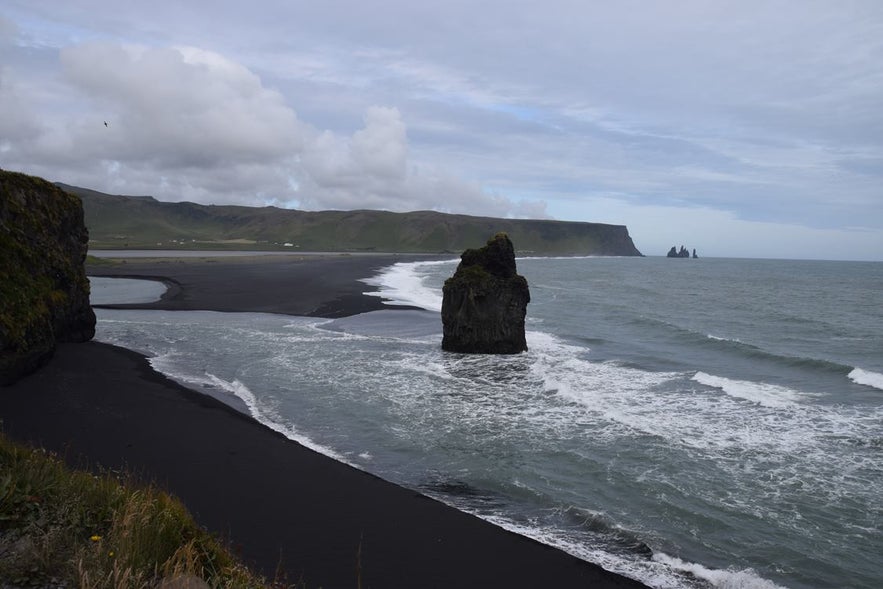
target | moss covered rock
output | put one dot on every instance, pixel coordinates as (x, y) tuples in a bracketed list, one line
[(44, 292), (485, 302)]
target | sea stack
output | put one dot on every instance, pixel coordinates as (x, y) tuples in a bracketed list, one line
[(485, 302), (43, 285)]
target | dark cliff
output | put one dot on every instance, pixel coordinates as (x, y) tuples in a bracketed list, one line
[(43, 286), (485, 302)]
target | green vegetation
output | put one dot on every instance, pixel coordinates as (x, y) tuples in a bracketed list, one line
[(95, 261), (478, 280), (24, 292), (76, 529), (43, 285), (118, 222)]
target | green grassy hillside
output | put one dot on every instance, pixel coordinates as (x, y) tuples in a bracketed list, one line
[(117, 222)]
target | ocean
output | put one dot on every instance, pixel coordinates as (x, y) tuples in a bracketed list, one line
[(688, 423)]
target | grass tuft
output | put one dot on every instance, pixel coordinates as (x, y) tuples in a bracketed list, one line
[(69, 528)]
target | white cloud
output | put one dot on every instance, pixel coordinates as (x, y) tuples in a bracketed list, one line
[(371, 169), (376, 153), (179, 107), (184, 123), (381, 147), (767, 112)]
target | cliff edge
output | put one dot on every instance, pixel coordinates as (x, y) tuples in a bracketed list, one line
[(44, 292), (142, 222)]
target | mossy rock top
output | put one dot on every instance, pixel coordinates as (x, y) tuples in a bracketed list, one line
[(495, 260)]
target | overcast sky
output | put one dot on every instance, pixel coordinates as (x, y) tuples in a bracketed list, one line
[(744, 128)]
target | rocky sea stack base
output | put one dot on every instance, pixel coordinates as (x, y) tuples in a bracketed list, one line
[(43, 284), (485, 302)]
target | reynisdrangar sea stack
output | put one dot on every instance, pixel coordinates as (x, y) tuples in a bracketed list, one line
[(485, 302)]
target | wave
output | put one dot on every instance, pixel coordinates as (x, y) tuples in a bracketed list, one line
[(682, 335), (165, 364), (767, 395), (718, 578), (635, 560), (867, 378), (617, 539), (754, 352), (404, 284)]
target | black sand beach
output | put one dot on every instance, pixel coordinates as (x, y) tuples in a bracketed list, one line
[(318, 285), (280, 504)]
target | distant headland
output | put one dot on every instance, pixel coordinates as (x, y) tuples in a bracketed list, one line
[(142, 222)]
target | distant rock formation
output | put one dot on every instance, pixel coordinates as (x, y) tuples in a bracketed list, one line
[(680, 253), (43, 286), (485, 302)]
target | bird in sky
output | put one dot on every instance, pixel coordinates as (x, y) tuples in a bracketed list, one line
[(105, 123)]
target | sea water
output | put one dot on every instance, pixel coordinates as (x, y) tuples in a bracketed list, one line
[(688, 423)]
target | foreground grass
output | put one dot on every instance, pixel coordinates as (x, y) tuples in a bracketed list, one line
[(67, 528)]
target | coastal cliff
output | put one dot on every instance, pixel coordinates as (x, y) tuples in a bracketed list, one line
[(485, 302), (43, 285), (142, 222)]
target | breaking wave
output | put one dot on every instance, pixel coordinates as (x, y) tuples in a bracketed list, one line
[(867, 378)]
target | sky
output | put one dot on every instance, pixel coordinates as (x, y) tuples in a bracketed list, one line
[(749, 128)]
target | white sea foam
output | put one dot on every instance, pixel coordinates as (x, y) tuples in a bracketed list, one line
[(615, 393), (720, 579), (778, 433), (170, 365), (237, 388), (166, 364), (404, 284), (765, 394), (740, 446), (723, 339), (867, 378), (661, 571), (648, 572)]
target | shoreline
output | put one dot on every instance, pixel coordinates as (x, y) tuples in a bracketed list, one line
[(312, 285), (267, 495)]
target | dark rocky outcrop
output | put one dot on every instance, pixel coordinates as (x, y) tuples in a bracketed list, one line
[(679, 253), (485, 302), (43, 286)]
